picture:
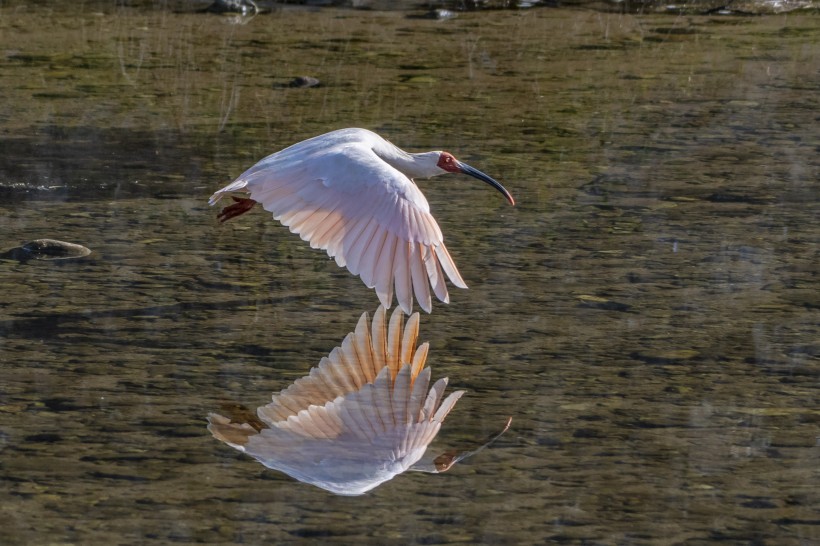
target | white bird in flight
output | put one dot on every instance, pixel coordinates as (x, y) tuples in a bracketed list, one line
[(364, 415), (352, 193)]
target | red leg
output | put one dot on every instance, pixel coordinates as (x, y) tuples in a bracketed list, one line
[(239, 208)]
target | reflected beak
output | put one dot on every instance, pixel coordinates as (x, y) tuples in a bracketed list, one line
[(475, 173)]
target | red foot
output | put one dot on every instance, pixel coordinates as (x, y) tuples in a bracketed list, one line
[(239, 208)]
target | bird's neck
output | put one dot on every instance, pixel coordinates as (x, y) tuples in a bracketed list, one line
[(422, 165)]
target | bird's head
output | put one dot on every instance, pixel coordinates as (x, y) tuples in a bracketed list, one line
[(448, 163)]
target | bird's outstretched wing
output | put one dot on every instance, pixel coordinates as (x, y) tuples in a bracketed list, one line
[(366, 214)]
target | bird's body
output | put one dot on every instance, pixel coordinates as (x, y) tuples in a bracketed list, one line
[(351, 193), (365, 414)]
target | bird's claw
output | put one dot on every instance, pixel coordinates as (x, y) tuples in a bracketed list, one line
[(240, 207)]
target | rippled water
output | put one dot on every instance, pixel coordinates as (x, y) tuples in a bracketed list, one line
[(647, 313)]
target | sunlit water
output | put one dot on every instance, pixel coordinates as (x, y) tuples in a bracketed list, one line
[(647, 314)]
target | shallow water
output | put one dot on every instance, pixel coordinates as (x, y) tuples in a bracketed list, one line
[(647, 313)]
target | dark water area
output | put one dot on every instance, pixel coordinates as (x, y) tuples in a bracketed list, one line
[(647, 313)]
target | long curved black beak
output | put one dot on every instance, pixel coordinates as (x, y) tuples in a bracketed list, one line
[(475, 173)]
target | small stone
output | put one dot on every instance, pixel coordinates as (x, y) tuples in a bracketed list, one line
[(440, 14), (304, 81), (243, 7), (46, 249), (668, 356), (597, 302)]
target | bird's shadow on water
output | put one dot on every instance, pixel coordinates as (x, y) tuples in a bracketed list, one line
[(92, 163), (53, 325)]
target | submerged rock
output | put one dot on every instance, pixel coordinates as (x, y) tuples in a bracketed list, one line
[(242, 7), (299, 82), (439, 14), (46, 249), (304, 81)]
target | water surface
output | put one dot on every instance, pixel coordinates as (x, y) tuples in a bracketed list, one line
[(647, 313)]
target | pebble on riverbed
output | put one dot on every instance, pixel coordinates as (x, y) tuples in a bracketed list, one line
[(45, 249), (304, 81), (242, 7)]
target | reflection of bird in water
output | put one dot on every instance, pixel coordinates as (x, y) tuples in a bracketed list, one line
[(352, 193), (365, 414)]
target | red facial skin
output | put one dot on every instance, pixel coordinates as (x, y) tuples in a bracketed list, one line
[(449, 163)]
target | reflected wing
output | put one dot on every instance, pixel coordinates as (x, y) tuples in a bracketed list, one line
[(378, 432), (355, 363), (336, 193), (232, 433), (364, 415)]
